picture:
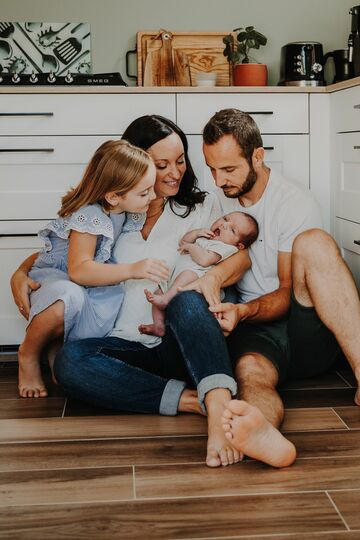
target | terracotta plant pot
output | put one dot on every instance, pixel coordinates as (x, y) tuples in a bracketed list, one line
[(250, 75)]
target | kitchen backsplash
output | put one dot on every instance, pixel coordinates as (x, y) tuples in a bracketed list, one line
[(41, 47)]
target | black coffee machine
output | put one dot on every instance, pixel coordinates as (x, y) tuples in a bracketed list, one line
[(354, 40)]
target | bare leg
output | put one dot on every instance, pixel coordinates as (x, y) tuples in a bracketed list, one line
[(160, 302), (45, 327), (219, 450), (252, 423), (334, 297)]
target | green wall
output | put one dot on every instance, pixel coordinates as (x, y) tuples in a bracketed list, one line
[(114, 23)]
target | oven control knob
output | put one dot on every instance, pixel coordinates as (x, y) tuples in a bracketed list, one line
[(1, 79), (51, 78), (299, 57), (15, 78), (316, 68), (33, 78), (69, 78)]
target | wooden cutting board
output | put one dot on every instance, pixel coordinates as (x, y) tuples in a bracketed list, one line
[(190, 52)]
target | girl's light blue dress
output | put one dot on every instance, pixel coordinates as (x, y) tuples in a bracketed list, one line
[(89, 311)]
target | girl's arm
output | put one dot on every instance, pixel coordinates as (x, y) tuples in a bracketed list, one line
[(85, 271), (22, 285)]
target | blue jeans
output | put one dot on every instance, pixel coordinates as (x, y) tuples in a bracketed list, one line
[(123, 375)]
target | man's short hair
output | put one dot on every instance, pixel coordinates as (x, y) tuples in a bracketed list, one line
[(238, 124)]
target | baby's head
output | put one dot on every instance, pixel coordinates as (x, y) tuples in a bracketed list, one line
[(237, 229)]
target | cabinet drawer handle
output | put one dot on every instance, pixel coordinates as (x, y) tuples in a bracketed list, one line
[(3, 150), (357, 242), (27, 114), (20, 235), (357, 106), (356, 147), (269, 148), (259, 112)]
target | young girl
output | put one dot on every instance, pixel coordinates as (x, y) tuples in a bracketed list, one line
[(80, 296)]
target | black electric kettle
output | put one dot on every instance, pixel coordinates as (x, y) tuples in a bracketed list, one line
[(343, 66)]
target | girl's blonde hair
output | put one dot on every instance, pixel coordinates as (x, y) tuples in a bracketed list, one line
[(116, 166)]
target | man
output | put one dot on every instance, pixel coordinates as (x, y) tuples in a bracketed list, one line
[(298, 304)]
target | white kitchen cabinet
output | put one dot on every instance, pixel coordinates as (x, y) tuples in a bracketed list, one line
[(274, 113), (346, 110), (35, 173), (78, 114), (348, 236), (346, 175), (13, 250), (288, 154), (347, 189)]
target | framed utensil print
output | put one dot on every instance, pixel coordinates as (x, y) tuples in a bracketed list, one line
[(42, 47)]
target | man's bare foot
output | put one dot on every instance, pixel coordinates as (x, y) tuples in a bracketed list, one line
[(219, 450), (158, 300), (153, 329), (252, 434), (31, 384), (189, 402)]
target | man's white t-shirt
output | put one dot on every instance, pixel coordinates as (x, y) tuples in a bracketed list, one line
[(284, 211)]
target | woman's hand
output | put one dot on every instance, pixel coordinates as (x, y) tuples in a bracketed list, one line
[(152, 269), (21, 287)]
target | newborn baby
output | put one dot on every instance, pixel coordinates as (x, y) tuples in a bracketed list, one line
[(205, 247)]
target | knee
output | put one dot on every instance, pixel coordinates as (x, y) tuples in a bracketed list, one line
[(315, 243), (256, 369)]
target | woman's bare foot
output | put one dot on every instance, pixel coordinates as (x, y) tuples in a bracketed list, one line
[(252, 434), (155, 329), (189, 402), (158, 300), (219, 450), (31, 384)]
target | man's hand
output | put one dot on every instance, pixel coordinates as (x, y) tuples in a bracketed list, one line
[(229, 315), (208, 286)]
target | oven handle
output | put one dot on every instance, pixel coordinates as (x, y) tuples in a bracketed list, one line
[(259, 112), (27, 114)]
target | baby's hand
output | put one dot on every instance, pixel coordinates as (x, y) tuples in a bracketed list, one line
[(184, 248), (205, 233)]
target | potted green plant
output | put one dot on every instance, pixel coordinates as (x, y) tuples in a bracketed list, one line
[(237, 51)]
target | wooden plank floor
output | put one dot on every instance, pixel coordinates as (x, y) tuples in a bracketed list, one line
[(68, 470)]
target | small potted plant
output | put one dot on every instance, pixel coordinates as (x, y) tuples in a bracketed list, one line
[(237, 51)]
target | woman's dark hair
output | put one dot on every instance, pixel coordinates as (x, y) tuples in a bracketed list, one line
[(150, 129)]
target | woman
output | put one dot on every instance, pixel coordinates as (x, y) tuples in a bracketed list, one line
[(140, 373)]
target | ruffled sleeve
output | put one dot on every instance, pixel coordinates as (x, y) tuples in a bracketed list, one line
[(89, 219), (134, 222)]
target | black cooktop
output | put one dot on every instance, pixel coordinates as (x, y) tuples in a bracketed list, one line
[(51, 79)]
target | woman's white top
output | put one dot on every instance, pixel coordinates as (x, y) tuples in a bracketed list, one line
[(162, 243)]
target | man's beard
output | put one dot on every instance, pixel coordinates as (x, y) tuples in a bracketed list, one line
[(246, 187)]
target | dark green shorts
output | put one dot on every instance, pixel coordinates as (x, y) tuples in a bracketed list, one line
[(299, 346)]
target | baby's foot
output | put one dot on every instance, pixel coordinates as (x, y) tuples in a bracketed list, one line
[(152, 329), (31, 384), (158, 300), (251, 433)]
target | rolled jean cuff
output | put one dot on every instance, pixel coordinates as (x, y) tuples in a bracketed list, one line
[(215, 381), (171, 396)]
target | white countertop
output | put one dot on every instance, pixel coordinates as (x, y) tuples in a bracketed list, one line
[(178, 89)]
